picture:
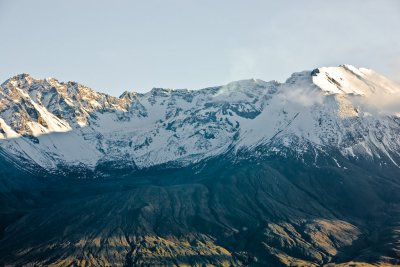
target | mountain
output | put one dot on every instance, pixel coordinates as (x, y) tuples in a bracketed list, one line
[(301, 173), (329, 107)]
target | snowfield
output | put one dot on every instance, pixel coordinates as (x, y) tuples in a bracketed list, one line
[(51, 123)]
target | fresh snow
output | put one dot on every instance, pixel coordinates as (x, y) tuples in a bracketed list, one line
[(51, 123)]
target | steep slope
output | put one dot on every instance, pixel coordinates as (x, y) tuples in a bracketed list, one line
[(337, 107), (253, 173), (277, 211)]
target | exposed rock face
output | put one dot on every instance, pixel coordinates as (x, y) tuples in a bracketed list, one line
[(254, 173), (354, 110)]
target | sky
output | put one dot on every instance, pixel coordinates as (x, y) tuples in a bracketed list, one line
[(113, 46)]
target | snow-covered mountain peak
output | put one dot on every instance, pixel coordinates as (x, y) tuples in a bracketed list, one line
[(128, 95), (244, 90), (347, 79), (52, 122), (20, 80)]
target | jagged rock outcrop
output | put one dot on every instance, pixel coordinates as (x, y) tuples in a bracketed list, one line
[(253, 173)]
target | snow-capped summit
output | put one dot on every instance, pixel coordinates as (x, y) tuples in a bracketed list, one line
[(347, 79), (52, 123)]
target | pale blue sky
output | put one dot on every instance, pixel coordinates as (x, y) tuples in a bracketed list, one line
[(114, 46)]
